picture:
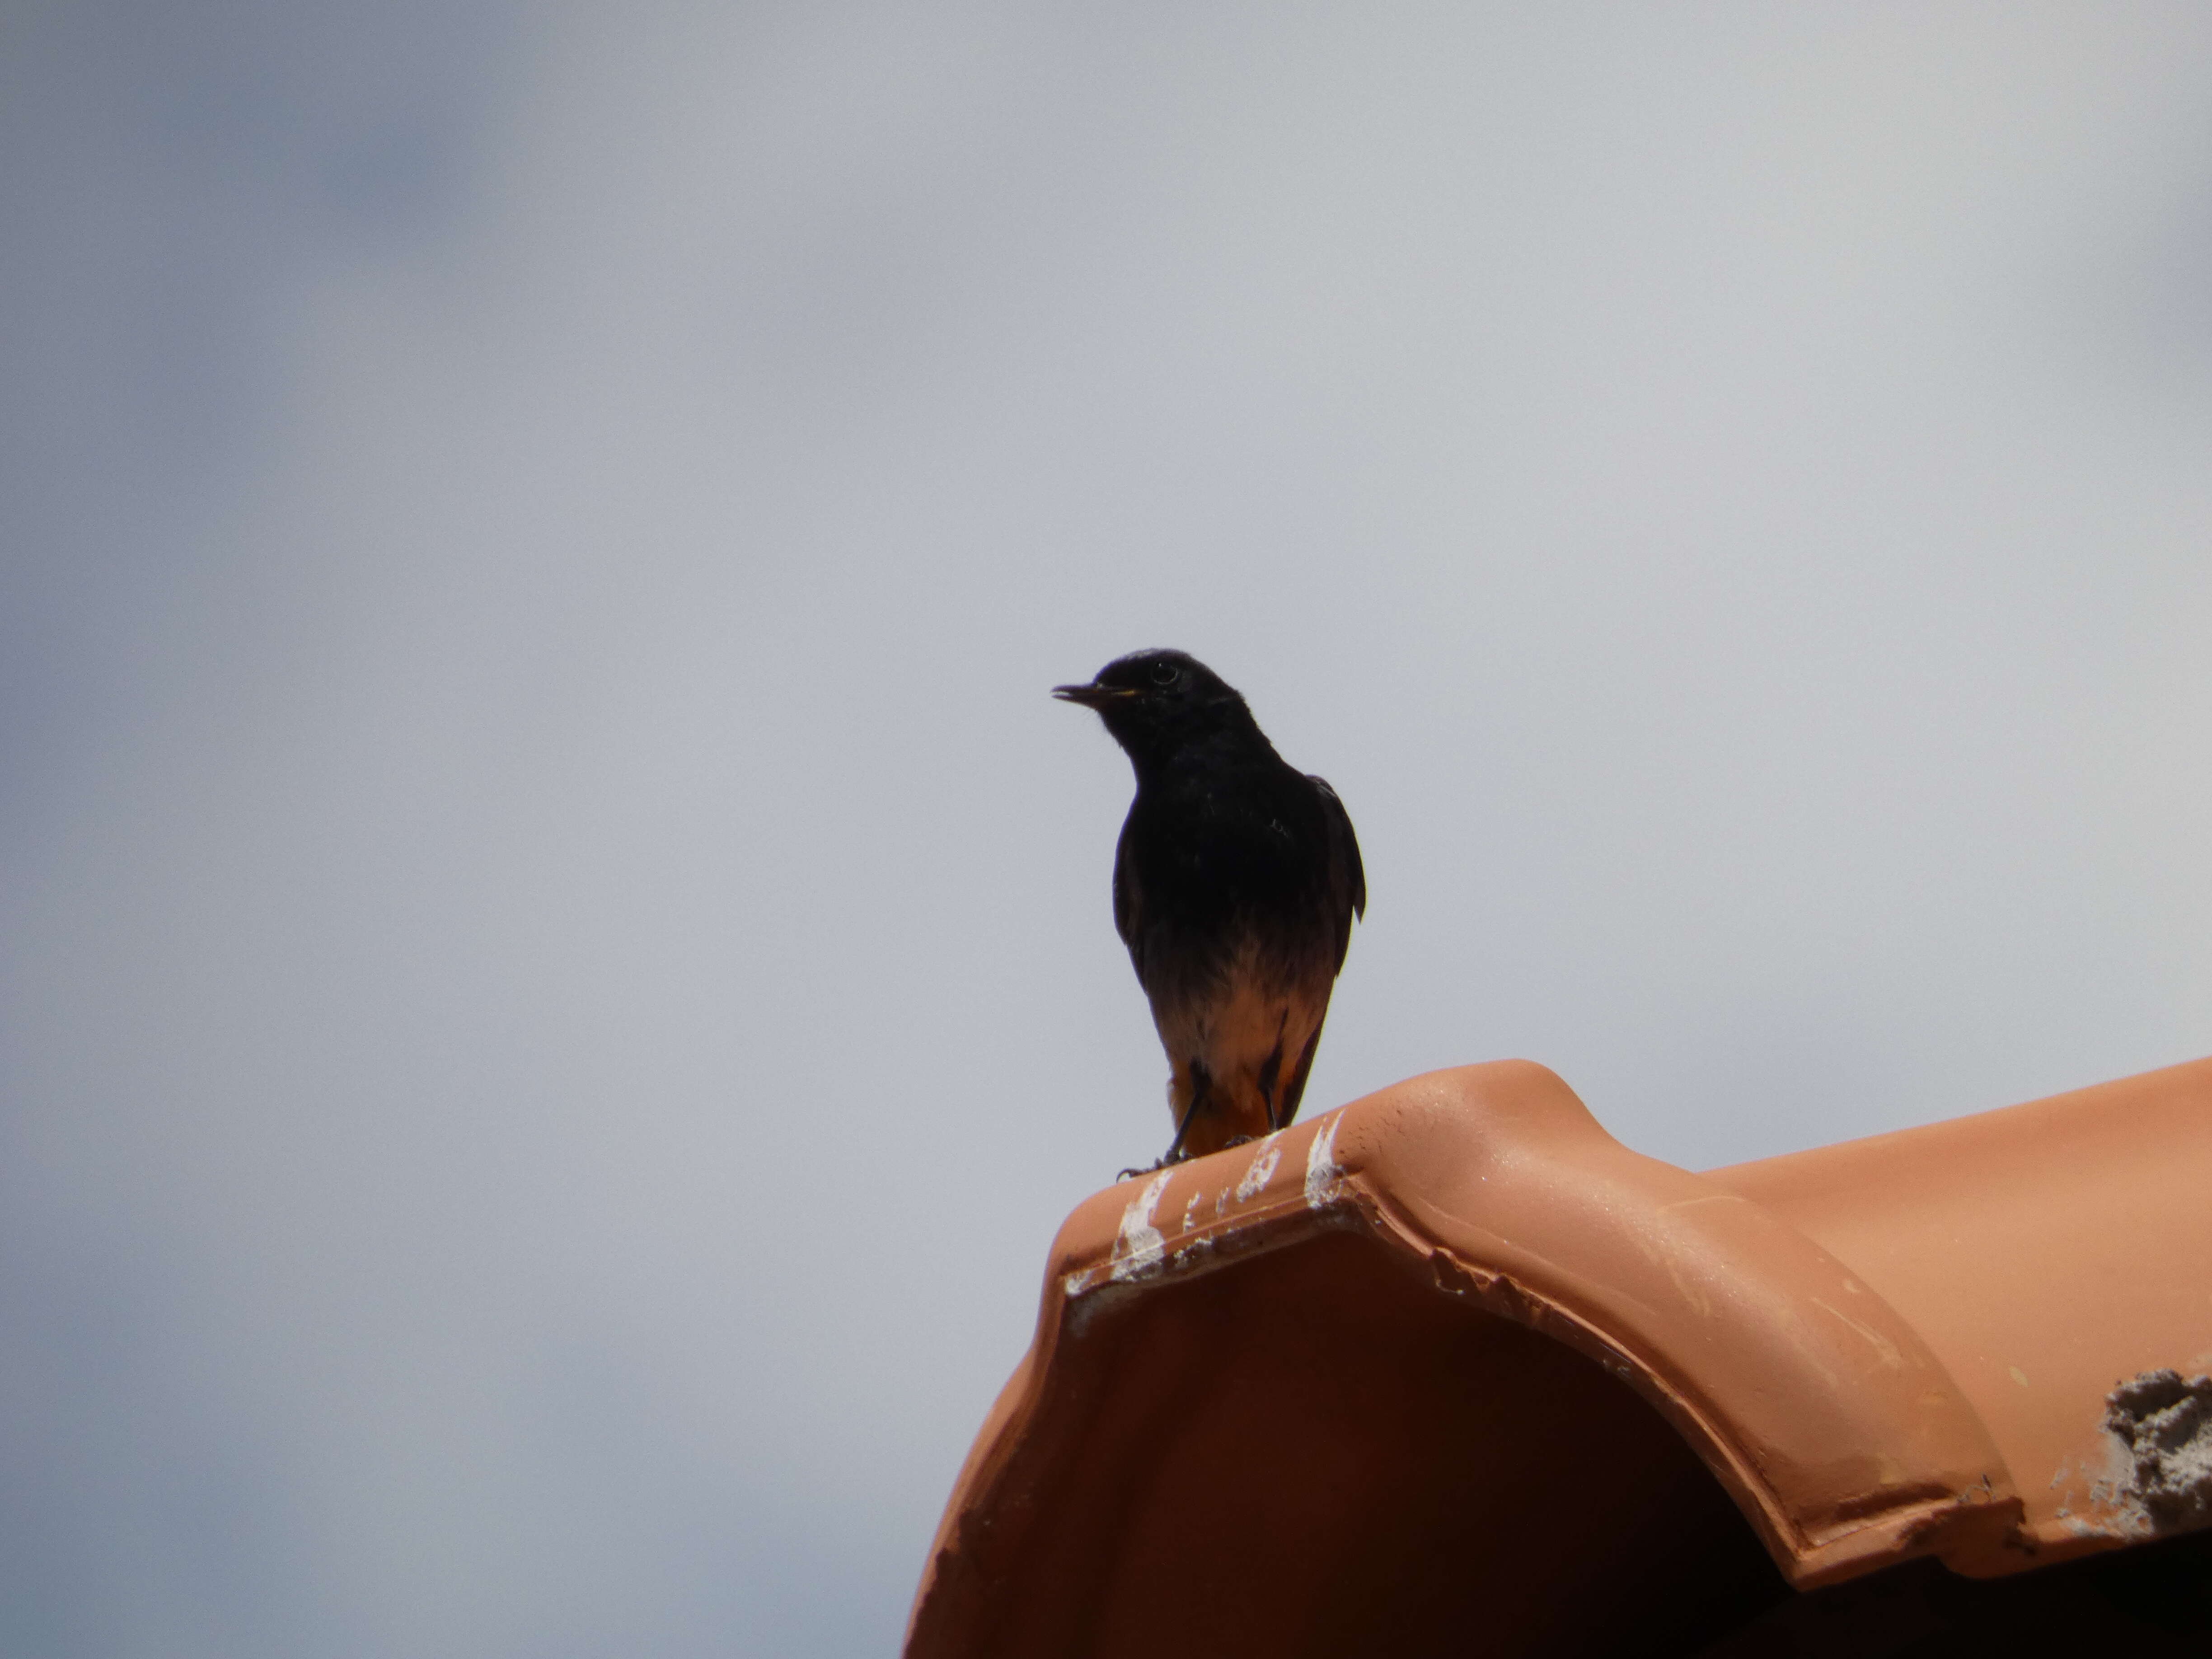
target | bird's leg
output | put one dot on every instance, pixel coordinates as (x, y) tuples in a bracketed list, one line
[(1296, 1091), (1201, 1081), (1175, 1153), (1270, 1070)]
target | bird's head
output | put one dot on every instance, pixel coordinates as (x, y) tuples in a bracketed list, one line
[(1154, 701)]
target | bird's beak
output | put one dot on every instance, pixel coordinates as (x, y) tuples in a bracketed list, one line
[(1093, 697)]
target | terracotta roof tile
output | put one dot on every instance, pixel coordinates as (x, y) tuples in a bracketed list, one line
[(1337, 1386), (2048, 1254)]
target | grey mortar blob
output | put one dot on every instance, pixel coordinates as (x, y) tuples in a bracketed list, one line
[(2165, 1422)]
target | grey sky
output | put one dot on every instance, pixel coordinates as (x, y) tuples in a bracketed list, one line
[(556, 963)]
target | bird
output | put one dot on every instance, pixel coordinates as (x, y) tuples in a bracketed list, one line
[(1236, 881)]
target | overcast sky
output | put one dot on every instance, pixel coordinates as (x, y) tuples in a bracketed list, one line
[(554, 950)]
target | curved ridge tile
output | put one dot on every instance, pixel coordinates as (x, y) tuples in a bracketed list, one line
[(2056, 1255), (1835, 1427), (1836, 1432)]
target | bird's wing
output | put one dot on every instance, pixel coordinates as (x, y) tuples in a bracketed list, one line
[(1128, 895), (1347, 876)]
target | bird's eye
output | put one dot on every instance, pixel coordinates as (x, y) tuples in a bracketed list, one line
[(1164, 674)]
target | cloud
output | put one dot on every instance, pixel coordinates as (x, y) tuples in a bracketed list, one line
[(558, 968)]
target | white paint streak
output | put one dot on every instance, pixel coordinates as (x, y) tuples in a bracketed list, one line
[(1322, 1171), (1139, 1247), (1260, 1170)]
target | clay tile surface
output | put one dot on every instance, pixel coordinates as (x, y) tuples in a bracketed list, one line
[(1453, 1359), (2057, 1258)]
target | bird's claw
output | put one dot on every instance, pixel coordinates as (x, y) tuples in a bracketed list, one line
[(1153, 1168)]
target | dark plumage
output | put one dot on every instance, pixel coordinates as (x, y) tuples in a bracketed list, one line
[(1235, 884)]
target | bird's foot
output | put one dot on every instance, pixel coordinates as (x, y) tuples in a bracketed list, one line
[(1152, 1169), (1235, 1141)]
